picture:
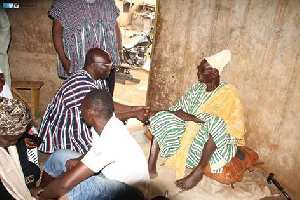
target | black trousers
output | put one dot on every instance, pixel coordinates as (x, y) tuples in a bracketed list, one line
[(111, 81)]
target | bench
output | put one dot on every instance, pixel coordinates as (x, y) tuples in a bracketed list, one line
[(34, 87)]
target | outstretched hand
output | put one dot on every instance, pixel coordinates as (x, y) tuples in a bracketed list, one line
[(151, 113), (141, 113), (71, 163)]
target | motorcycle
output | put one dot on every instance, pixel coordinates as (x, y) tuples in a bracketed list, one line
[(135, 55), (136, 52)]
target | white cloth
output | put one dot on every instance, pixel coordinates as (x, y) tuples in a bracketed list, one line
[(117, 155), (219, 60), (11, 174), (6, 92), (4, 43)]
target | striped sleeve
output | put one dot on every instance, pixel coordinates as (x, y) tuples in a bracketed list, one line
[(115, 9), (57, 12), (76, 90)]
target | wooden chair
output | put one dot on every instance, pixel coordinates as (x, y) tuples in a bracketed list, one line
[(34, 87)]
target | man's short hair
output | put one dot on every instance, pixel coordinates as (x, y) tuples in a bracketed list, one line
[(89, 57), (14, 116), (100, 100)]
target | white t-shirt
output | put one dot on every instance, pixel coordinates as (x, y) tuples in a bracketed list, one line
[(117, 155)]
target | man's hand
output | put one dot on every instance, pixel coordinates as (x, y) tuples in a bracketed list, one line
[(36, 191), (57, 35), (29, 143), (71, 163), (186, 117), (141, 113), (147, 112), (151, 113), (66, 63)]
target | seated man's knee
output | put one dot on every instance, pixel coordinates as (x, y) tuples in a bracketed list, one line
[(59, 157)]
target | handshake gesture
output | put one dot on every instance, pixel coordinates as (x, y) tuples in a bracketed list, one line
[(141, 113)]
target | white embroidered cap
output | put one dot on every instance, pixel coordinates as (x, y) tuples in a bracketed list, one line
[(219, 60)]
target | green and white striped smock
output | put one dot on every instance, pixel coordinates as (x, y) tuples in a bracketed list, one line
[(168, 129)]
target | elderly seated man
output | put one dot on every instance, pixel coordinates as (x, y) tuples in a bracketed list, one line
[(205, 126)]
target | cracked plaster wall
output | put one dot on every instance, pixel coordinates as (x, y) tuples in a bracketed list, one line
[(263, 37)]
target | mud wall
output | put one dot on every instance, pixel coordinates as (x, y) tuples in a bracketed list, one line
[(263, 36), (31, 53)]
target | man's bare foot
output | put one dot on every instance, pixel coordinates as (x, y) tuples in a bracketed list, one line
[(153, 175), (190, 181)]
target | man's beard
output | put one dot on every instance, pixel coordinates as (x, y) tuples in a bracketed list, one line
[(90, 1)]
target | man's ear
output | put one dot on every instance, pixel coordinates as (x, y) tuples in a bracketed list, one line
[(90, 116), (90, 112), (94, 65), (215, 72)]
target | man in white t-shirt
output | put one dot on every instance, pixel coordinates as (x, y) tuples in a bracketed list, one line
[(114, 168)]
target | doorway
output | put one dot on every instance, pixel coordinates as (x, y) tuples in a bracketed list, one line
[(136, 22)]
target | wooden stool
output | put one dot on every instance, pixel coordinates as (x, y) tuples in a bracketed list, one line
[(34, 87)]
